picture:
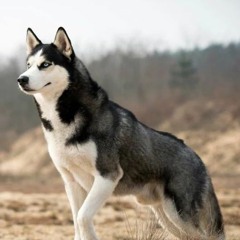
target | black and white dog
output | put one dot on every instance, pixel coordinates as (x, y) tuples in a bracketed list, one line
[(100, 148)]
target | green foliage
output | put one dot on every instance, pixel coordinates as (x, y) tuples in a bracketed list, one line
[(184, 74)]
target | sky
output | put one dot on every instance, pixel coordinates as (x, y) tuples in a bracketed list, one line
[(97, 26)]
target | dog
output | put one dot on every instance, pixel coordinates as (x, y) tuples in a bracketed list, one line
[(99, 148)]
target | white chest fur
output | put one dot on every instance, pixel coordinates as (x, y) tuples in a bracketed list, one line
[(73, 158), (69, 157)]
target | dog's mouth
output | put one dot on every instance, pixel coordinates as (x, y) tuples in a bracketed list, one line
[(27, 89), (47, 84)]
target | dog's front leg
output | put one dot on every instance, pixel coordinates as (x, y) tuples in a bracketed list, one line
[(102, 188), (76, 196)]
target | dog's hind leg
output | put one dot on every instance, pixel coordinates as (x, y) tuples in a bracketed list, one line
[(164, 221), (101, 190), (187, 229), (204, 223), (201, 223), (152, 195), (169, 218)]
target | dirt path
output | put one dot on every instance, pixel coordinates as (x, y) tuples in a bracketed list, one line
[(29, 216)]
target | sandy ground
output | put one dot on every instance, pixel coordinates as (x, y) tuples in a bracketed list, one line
[(46, 215)]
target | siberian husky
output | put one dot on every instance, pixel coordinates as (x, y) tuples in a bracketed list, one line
[(100, 149)]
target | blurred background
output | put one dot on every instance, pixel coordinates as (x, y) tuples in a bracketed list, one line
[(175, 64)]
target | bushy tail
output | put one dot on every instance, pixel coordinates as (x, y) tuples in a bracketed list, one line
[(213, 220)]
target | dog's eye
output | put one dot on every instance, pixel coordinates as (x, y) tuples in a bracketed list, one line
[(45, 65), (28, 65)]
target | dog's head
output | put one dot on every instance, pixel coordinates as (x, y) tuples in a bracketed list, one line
[(48, 65)]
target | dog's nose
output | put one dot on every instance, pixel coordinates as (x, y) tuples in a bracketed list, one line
[(23, 80)]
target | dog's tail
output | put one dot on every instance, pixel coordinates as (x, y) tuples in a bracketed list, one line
[(212, 218)]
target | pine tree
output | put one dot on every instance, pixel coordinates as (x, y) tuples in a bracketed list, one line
[(184, 74)]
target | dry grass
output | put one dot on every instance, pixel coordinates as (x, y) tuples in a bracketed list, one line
[(144, 229), (147, 228)]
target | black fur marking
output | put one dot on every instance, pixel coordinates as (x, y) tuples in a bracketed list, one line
[(52, 55), (82, 133), (35, 50), (46, 123), (67, 107), (81, 136)]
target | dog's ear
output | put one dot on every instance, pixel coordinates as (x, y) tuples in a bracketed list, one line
[(63, 43), (32, 40)]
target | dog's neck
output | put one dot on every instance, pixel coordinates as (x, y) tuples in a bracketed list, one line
[(81, 101)]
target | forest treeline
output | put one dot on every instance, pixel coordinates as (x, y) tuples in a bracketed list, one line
[(156, 81)]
